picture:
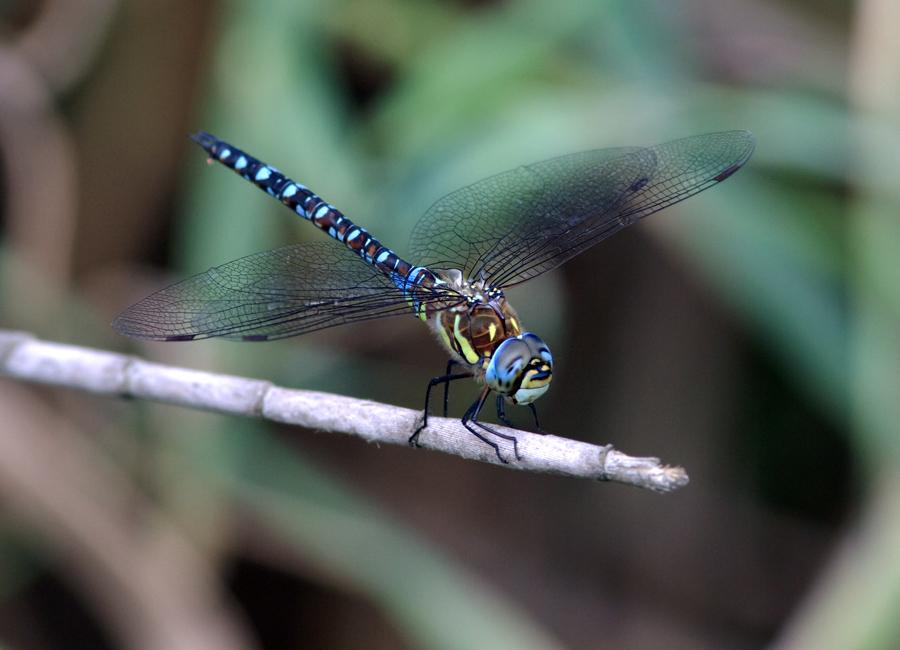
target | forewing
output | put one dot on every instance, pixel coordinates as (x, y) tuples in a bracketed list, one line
[(280, 293), (506, 219), (682, 168), (542, 215)]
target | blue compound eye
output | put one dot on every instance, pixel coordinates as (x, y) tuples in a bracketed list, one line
[(538, 348), (521, 369)]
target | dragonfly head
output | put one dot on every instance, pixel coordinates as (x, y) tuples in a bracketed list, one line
[(520, 369)]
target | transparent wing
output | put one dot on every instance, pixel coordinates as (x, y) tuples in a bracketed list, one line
[(514, 226), (280, 293)]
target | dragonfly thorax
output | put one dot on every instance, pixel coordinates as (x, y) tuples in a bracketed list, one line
[(483, 333), (478, 322)]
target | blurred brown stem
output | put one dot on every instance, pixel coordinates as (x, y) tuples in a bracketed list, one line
[(148, 582)]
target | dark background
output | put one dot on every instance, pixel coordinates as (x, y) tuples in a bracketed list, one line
[(749, 334)]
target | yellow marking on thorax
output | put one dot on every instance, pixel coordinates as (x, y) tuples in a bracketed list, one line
[(465, 348), (445, 337)]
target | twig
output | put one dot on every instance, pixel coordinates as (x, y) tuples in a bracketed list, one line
[(22, 356)]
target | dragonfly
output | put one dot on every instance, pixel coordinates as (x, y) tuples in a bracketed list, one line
[(463, 252)]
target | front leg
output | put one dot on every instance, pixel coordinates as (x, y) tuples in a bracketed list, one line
[(501, 413), (470, 421)]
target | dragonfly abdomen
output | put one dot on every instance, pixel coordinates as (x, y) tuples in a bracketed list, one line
[(307, 204), (299, 198)]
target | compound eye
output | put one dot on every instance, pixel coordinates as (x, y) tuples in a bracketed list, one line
[(504, 372), (538, 349), (535, 377), (520, 369)]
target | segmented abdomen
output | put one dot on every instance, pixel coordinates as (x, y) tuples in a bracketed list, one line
[(305, 203), (328, 218)]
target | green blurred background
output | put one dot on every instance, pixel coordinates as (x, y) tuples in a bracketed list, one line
[(751, 334)]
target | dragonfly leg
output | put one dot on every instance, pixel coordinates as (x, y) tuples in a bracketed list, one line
[(445, 379), (536, 423), (471, 417), (501, 413), (450, 364)]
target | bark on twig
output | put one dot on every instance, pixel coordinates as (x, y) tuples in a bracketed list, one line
[(24, 357)]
